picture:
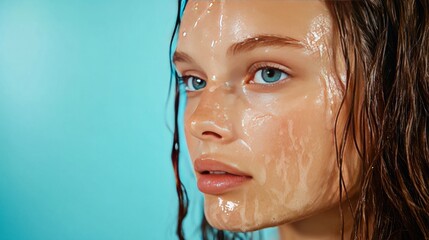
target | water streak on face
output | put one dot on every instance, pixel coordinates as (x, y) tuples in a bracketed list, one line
[(267, 107)]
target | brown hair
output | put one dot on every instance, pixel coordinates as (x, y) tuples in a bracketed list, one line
[(386, 48), (385, 44)]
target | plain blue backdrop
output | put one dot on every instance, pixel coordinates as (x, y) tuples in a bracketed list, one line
[(84, 144)]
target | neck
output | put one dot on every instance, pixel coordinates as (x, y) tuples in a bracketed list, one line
[(325, 225)]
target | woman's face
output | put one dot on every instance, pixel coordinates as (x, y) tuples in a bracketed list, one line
[(262, 101)]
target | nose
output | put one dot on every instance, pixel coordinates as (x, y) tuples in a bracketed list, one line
[(212, 118)]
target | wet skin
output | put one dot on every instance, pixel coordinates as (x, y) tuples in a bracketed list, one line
[(262, 99)]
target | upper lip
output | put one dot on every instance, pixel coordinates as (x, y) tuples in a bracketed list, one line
[(205, 164)]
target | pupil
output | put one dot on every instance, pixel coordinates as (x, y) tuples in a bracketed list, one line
[(271, 75), (198, 83)]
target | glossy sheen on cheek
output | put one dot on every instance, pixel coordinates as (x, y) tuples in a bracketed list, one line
[(284, 142), (286, 156)]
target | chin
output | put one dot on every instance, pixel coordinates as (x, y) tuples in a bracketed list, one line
[(233, 226), (238, 219)]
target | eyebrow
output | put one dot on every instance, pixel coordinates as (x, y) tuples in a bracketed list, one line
[(249, 44), (263, 41), (182, 57)]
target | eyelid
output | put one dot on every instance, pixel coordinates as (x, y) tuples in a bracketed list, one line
[(191, 73), (184, 75), (261, 65), (184, 78)]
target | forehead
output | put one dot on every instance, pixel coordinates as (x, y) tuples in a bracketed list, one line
[(224, 22)]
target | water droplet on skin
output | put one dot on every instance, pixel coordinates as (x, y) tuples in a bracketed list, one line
[(227, 85), (230, 206), (184, 34), (227, 206)]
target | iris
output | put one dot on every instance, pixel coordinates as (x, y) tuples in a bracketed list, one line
[(193, 83), (269, 75)]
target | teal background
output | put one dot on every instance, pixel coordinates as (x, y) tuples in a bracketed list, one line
[(84, 144), (84, 110)]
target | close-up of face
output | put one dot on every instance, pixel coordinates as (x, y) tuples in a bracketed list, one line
[(262, 101)]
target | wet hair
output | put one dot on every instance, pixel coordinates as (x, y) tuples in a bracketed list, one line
[(386, 48), (385, 45)]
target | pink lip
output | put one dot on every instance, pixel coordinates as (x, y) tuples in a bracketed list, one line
[(216, 184)]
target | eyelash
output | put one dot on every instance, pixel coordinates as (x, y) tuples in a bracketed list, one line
[(183, 81), (259, 66), (250, 75)]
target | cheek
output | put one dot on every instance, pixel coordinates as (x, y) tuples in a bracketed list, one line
[(289, 151), (294, 153)]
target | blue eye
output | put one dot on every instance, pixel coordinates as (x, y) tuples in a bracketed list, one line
[(269, 75), (193, 83)]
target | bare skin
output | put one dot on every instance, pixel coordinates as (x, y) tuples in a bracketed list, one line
[(262, 101)]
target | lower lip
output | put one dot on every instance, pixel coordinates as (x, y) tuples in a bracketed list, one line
[(216, 184)]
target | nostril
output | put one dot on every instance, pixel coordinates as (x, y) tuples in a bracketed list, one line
[(209, 133)]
